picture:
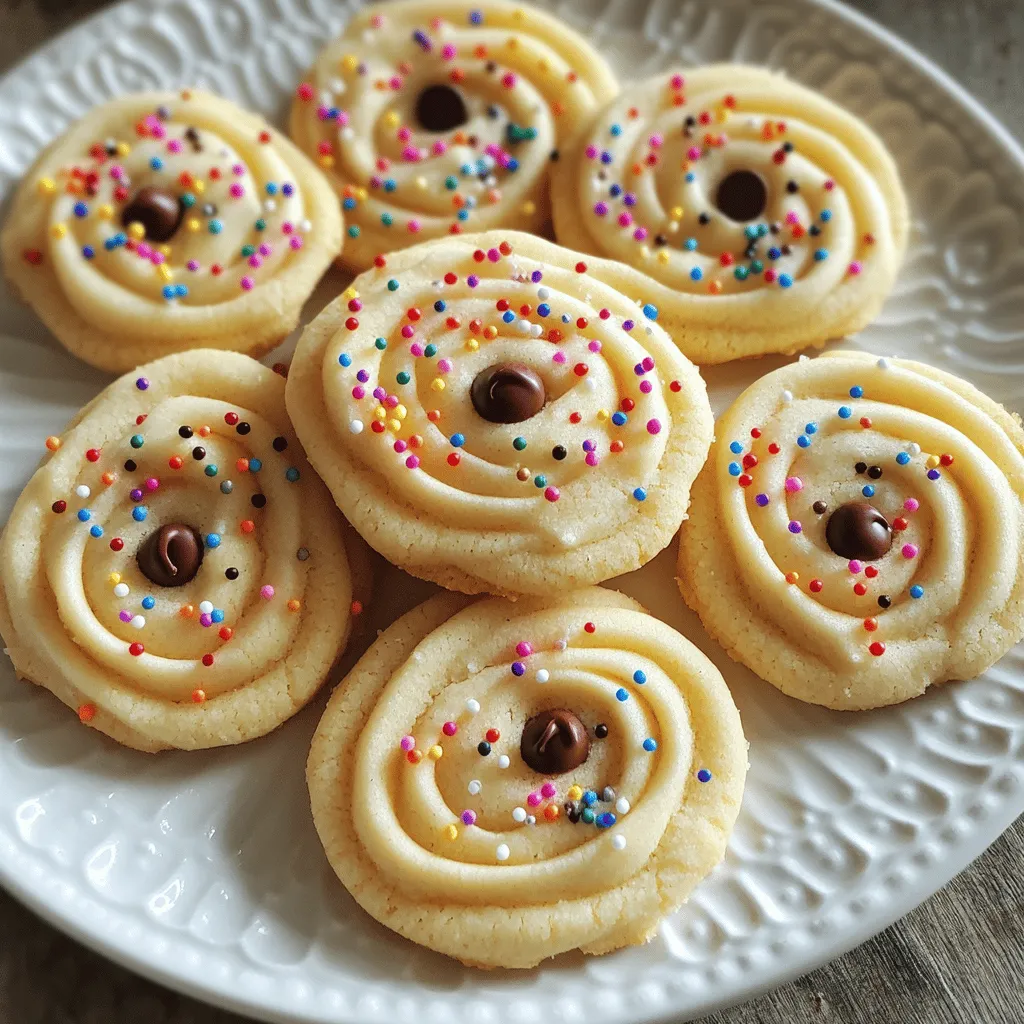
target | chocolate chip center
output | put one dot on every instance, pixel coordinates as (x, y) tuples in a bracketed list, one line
[(157, 210), (554, 742), (507, 393), (858, 530), (440, 108), (171, 556), (742, 195)]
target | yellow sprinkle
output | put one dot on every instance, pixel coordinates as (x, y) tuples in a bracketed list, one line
[(294, 604), (59, 230), (437, 384), (645, 252), (391, 119), (472, 344), (394, 426), (349, 62), (165, 272), (105, 211), (663, 256), (722, 114), (421, 182), (123, 149), (932, 462), (361, 194), (114, 578), (136, 230), (677, 213), (529, 207), (602, 415), (381, 413), (198, 186), (401, 412), (193, 224), (451, 832), (327, 161), (574, 793), (46, 186), (435, 752), (490, 332), (164, 250)]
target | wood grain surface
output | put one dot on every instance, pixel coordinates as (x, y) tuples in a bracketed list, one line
[(957, 959)]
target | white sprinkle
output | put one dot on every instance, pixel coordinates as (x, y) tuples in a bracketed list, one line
[(622, 805), (474, 787), (560, 645), (205, 607), (270, 205), (531, 820), (787, 396), (524, 326), (519, 814), (619, 842), (536, 330), (883, 364), (472, 668), (121, 590), (543, 675), (673, 226), (325, 98), (356, 426), (543, 294), (82, 491), (914, 448), (589, 384), (802, 359), (347, 133), (502, 852), (138, 621), (336, 85), (305, 226), (503, 761), (472, 706)]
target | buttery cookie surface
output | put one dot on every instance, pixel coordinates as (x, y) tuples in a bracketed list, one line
[(174, 570), (492, 415), (768, 217), (858, 531), (161, 222), (433, 117), (504, 782)]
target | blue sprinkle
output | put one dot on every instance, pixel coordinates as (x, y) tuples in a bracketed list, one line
[(213, 540), (751, 232), (291, 474), (255, 465), (650, 311), (703, 775), (512, 165), (210, 469), (139, 513), (440, 306), (916, 591), (650, 745), (696, 274), (543, 309), (463, 214), (156, 163), (845, 412), (735, 469), (811, 428), (639, 677), (271, 188), (785, 281), (180, 290), (903, 458), (476, 17), (690, 176), (215, 227), (735, 447), (590, 798), (345, 359), (640, 494), (856, 391), (508, 316), (81, 210), (820, 254), (774, 253), (868, 491), (348, 203), (217, 615), (457, 440), (616, 129), (621, 695), (96, 531), (804, 441), (88, 251), (390, 185), (148, 602), (619, 418), (826, 215), (690, 244), (168, 292), (518, 668), (933, 474)]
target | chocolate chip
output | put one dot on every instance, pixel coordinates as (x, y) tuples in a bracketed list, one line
[(171, 556), (159, 212), (858, 530), (554, 742), (507, 393), (742, 195)]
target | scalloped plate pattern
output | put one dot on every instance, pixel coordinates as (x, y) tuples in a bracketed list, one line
[(203, 870)]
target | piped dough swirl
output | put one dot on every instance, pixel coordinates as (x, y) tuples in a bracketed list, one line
[(433, 118), (769, 217), (163, 221), (840, 611), (199, 441), (592, 485), (439, 827)]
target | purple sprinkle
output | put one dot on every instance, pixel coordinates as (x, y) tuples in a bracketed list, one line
[(379, 393), (472, 280), (205, 619), (125, 616), (588, 446), (536, 276), (142, 383), (469, 817), (518, 668), (136, 494), (362, 376), (795, 527), (628, 325), (762, 500)]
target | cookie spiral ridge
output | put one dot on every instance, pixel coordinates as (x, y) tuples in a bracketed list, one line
[(382, 385), (437, 117), (187, 648), (461, 819), (875, 609), (770, 217)]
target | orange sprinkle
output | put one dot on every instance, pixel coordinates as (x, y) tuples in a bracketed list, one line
[(187, 611), (198, 696), (247, 526), (357, 608), (294, 605), (53, 443), (86, 713), (551, 812)]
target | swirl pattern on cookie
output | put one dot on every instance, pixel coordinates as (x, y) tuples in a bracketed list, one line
[(506, 782), (491, 415), (174, 570), (434, 117), (166, 221), (867, 515), (769, 218)]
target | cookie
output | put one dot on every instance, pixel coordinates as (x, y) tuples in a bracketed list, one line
[(504, 782), (858, 531), (174, 570), (433, 117), (763, 217), (491, 414), (161, 222)]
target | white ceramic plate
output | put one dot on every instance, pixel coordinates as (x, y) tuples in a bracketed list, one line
[(203, 870)]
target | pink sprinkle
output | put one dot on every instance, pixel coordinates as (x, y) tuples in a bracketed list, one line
[(640, 234), (856, 267), (440, 147), (193, 265), (855, 566), (676, 81), (646, 387), (407, 743), (416, 349), (653, 426), (412, 462), (395, 82), (266, 250), (591, 459), (174, 146), (648, 364), (655, 140), (508, 80), (524, 648), (238, 169), (404, 134), (911, 504), (117, 172), (343, 118), (391, 401), (559, 357), (411, 154), (591, 152), (376, 181), (829, 185), (693, 153), (377, 20), (794, 484), (156, 258), (909, 551), (448, 51), (408, 331), (604, 314), (792, 217), (247, 283), (255, 262), (594, 346), (548, 790), (206, 619), (551, 493), (493, 255), (287, 227), (625, 219), (533, 799), (444, 366), (449, 728), (359, 391), (124, 616), (266, 592), (143, 251), (236, 190), (152, 483), (400, 446), (305, 91), (414, 225)]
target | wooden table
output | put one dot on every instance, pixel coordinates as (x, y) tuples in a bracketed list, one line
[(957, 959)]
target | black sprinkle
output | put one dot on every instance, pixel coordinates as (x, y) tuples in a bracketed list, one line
[(231, 573), (874, 472), (280, 443), (185, 431), (198, 454), (243, 428), (558, 452), (788, 147), (884, 601), (258, 500), (860, 467), (130, 466), (791, 187), (600, 731), (820, 508), (704, 218), (483, 747)]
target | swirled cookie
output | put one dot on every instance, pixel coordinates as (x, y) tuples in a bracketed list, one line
[(167, 221), (858, 531), (492, 415), (436, 116), (174, 570), (769, 218), (505, 782)]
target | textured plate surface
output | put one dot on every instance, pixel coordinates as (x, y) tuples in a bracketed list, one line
[(203, 870)]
